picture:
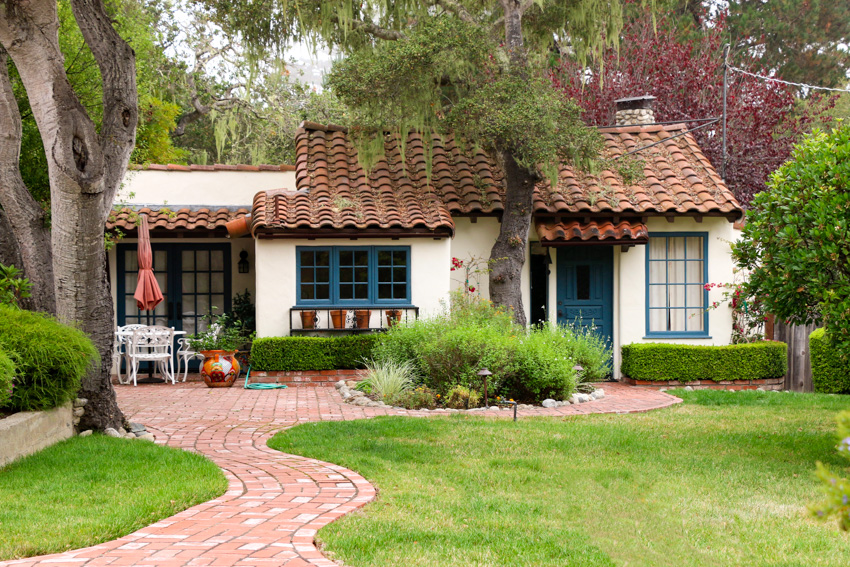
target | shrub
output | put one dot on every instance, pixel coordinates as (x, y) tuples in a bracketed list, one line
[(311, 353), (7, 378), (836, 503), (462, 398), (51, 358), (388, 378), (829, 374), (541, 367), (416, 398), (688, 363)]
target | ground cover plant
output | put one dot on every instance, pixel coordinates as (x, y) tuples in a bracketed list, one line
[(722, 479), (88, 490), (527, 365)]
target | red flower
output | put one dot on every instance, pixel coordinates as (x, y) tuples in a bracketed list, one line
[(471, 288)]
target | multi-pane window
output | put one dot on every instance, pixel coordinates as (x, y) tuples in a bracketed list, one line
[(676, 295), (353, 275)]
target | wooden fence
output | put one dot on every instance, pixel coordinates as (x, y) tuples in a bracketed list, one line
[(799, 377)]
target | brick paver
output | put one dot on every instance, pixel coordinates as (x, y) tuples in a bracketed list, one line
[(275, 502)]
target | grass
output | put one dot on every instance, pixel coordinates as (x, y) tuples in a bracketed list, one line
[(723, 479), (88, 490)]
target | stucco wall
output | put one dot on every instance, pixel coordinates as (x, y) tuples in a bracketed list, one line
[(28, 432), (276, 276), (475, 240), (182, 188)]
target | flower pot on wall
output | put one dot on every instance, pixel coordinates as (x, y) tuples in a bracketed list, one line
[(220, 368), (309, 319), (338, 318), (393, 317), (362, 317)]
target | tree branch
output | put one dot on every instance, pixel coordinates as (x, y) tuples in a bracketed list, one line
[(457, 9), (374, 30)]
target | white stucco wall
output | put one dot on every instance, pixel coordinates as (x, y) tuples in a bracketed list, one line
[(475, 240), (196, 188), (277, 278)]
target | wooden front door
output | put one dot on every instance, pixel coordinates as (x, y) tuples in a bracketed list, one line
[(586, 287)]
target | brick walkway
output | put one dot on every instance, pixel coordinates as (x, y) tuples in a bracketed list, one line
[(275, 502)]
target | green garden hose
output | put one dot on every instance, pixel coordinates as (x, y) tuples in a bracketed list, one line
[(261, 386)]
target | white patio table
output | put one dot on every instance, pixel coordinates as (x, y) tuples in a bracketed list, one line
[(122, 338)]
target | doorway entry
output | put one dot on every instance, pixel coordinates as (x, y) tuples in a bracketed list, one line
[(586, 288)]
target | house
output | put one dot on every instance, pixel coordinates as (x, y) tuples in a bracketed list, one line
[(325, 236)]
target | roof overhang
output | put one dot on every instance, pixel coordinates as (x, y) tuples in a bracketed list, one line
[(599, 232)]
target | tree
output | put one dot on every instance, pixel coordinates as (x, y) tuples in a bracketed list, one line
[(765, 118), (796, 242), (85, 166), (474, 69)]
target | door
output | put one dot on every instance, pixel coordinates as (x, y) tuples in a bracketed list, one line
[(194, 279), (586, 287)]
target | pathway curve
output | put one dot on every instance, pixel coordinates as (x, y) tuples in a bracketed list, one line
[(275, 502)]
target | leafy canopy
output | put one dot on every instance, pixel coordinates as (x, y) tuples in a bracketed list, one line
[(796, 243)]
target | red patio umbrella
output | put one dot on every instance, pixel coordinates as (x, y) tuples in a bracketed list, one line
[(148, 295)]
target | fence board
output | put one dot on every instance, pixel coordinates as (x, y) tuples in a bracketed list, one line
[(799, 377)]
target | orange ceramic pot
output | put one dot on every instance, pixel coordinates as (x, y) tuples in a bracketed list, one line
[(393, 317), (362, 317), (220, 368), (338, 318)]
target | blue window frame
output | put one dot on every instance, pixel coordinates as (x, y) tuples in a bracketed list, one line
[(676, 274), (353, 275)]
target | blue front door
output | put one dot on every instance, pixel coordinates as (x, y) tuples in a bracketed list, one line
[(586, 287)]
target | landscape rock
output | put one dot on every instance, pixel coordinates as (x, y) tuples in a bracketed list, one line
[(122, 431), (137, 427), (352, 383), (129, 435), (689, 388), (574, 399), (78, 412), (339, 384), (357, 394), (598, 394), (759, 389), (361, 401), (147, 437), (86, 433), (549, 403), (80, 402), (110, 432)]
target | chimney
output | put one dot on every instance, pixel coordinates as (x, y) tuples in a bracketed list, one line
[(635, 110)]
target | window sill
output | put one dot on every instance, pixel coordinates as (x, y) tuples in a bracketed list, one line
[(676, 336)]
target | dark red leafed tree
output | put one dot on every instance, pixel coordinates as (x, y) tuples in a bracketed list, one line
[(764, 118)]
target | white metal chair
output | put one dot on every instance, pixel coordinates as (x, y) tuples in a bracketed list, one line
[(119, 350), (154, 344), (184, 355)]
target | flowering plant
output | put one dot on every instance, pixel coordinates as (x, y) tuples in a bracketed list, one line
[(748, 314), (219, 335), (472, 270)]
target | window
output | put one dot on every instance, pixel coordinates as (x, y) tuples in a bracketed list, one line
[(677, 271), (353, 275)]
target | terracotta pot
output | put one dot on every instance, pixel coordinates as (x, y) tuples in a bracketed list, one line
[(220, 368), (361, 317), (338, 318), (393, 317), (308, 319)]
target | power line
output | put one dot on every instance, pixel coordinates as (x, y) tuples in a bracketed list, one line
[(802, 85)]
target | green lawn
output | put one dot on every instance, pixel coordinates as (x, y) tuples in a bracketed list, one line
[(88, 490), (723, 479)]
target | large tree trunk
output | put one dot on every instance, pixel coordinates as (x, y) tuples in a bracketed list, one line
[(23, 215), (84, 168), (507, 257)]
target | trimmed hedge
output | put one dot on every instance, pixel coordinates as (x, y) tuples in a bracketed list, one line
[(829, 374), (311, 353), (7, 378), (688, 363), (51, 358)]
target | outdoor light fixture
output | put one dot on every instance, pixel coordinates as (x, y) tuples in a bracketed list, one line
[(484, 373), (243, 264)]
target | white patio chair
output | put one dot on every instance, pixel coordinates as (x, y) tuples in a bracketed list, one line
[(184, 355), (152, 344), (119, 350)]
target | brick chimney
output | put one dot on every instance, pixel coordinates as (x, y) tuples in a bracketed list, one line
[(635, 110)]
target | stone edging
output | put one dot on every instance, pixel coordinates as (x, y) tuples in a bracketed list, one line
[(27, 432), (762, 384)]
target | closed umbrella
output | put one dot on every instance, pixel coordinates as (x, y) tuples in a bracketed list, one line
[(148, 295)]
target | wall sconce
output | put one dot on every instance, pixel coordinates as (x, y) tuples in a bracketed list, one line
[(243, 264)]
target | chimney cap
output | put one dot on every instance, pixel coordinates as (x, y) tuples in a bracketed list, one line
[(631, 103)]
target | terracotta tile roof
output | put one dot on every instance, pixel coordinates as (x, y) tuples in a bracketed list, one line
[(214, 167), (176, 219), (627, 232), (335, 193)]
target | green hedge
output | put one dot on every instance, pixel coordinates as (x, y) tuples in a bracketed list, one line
[(829, 374), (311, 353), (688, 363), (7, 378), (51, 358)]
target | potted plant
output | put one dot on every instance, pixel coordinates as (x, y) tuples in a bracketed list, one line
[(218, 345), (309, 319), (362, 317), (393, 317), (338, 318)]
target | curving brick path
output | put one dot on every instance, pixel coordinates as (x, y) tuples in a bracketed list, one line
[(275, 502)]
